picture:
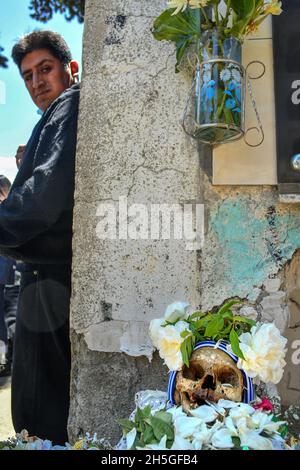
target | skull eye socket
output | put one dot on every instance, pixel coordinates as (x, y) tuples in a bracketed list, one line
[(194, 372), (228, 376)]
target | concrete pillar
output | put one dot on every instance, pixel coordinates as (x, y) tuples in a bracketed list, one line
[(131, 150)]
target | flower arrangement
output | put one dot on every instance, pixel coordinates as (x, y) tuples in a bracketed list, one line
[(214, 30), (225, 425), (259, 347), (185, 21), (23, 441), (156, 424)]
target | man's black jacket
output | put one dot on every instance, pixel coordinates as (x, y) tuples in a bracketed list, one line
[(36, 218)]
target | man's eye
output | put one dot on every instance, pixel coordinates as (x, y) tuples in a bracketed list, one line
[(46, 69), (27, 78)]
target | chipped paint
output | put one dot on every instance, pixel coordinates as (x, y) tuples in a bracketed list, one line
[(254, 242)]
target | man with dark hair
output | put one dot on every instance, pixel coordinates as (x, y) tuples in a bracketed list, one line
[(36, 228), (49, 40)]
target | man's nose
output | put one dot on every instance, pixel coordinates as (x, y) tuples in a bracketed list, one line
[(37, 80)]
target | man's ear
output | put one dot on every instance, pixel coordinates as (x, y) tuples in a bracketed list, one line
[(74, 70)]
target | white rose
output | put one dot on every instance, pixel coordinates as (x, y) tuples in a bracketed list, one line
[(222, 439), (176, 412), (160, 446), (155, 330), (264, 351), (255, 441), (181, 444), (176, 311), (263, 422), (186, 427), (207, 413), (169, 344)]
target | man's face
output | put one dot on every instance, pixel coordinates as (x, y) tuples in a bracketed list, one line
[(45, 77)]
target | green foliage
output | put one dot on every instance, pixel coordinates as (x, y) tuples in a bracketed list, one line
[(222, 325), (43, 10), (243, 8), (150, 429), (236, 442), (284, 429), (3, 59), (241, 18), (187, 347), (244, 11), (183, 29), (234, 341)]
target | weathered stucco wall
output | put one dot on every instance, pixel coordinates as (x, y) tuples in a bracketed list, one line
[(250, 237), (131, 145)]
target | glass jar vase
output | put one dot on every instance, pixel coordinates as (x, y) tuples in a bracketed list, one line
[(220, 90)]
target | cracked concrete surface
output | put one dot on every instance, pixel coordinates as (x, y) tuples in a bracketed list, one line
[(6, 426), (131, 144)]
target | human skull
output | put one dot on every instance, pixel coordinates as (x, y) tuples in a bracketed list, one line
[(211, 375)]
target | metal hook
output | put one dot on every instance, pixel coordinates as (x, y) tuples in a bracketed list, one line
[(259, 129), (256, 62), (185, 112), (192, 60)]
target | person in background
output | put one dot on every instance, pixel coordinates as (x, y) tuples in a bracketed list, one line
[(19, 155), (6, 277), (5, 186), (9, 291), (11, 295), (36, 228)]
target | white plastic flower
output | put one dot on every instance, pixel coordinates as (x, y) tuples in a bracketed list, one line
[(225, 75), (207, 76), (274, 8), (222, 439), (242, 424), (236, 75), (180, 443), (130, 438), (169, 344), (155, 331), (187, 426), (176, 412), (264, 351), (176, 311), (202, 437), (206, 413), (241, 411), (231, 427), (227, 404), (180, 5), (255, 441), (263, 422), (162, 445), (198, 3)]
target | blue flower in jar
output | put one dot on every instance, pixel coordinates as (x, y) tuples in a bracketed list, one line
[(210, 89), (232, 85), (238, 93), (230, 104)]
